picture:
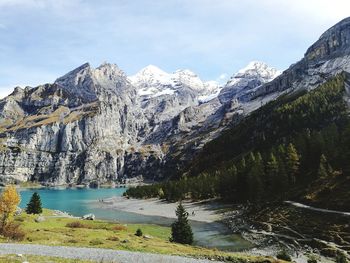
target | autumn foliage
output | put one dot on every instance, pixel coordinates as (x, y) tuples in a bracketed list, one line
[(9, 201)]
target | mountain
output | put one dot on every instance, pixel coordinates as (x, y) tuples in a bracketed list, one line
[(245, 80), (294, 147), (99, 125), (283, 159), (325, 59), (153, 82)]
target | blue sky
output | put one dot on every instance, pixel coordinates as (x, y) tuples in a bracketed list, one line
[(42, 40)]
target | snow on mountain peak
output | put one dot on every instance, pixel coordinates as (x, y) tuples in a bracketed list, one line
[(152, 70), (152, 82), (255, 69), (260, 68), (255, 74), (149, 76)]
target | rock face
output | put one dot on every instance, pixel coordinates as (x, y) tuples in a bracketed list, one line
[(327, 57), (95, 125)]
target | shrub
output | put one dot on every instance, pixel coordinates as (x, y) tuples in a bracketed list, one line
[(113, 238), (283, 255), (13, 232), (341, 258), (138, 232), (312, 259), (120, 228), (76, 224), (96, 242), (73, 241)]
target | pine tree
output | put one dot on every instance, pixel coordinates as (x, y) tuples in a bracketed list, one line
[(271, 172), (324, 168), (241, 180), (34, 205), (292, 162), (228, 183), (181, 231), (282, 180), (255, 187)]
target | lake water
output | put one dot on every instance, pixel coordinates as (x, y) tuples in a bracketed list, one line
[(79, 202)]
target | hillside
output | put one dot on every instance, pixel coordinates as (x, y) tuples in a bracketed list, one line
[(294, 147)]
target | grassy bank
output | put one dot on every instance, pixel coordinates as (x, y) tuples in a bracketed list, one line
[(101, 234)]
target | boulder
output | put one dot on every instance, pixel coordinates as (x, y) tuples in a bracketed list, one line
[(18, 211), (88, 217), (39, 219)]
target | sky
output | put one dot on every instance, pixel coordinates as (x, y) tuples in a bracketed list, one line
[(41, 40)]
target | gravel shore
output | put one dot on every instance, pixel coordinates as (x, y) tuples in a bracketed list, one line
[(198, 211)]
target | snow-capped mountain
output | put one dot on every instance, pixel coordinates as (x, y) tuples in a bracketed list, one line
[(246, 79), (152, 82), (99, 124)]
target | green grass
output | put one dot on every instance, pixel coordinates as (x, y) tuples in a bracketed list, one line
[(102, 234), (38, 259)]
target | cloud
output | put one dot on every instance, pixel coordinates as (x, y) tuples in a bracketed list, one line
[(222, 78)]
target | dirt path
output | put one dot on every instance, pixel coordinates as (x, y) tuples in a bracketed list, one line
[(95, 254), (296, 204)]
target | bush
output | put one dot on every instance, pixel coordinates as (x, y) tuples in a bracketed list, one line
[(312, 259), (73, 241), (113, 238), (13, 232), (120, 228), (96, 242), (76, 224), (341, 258), (138, 232), (283, 255)]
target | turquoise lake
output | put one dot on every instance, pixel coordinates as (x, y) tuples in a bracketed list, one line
[(79, 202)]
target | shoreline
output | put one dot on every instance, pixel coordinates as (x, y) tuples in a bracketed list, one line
[(203, 211)]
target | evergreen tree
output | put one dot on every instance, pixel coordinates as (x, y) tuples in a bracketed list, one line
[(322, 169), (34, 205), (282, 180), (139, 232), (228, 183), (255, 187), (181, 231), (271, 172), (241, 180), (292, 162)]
